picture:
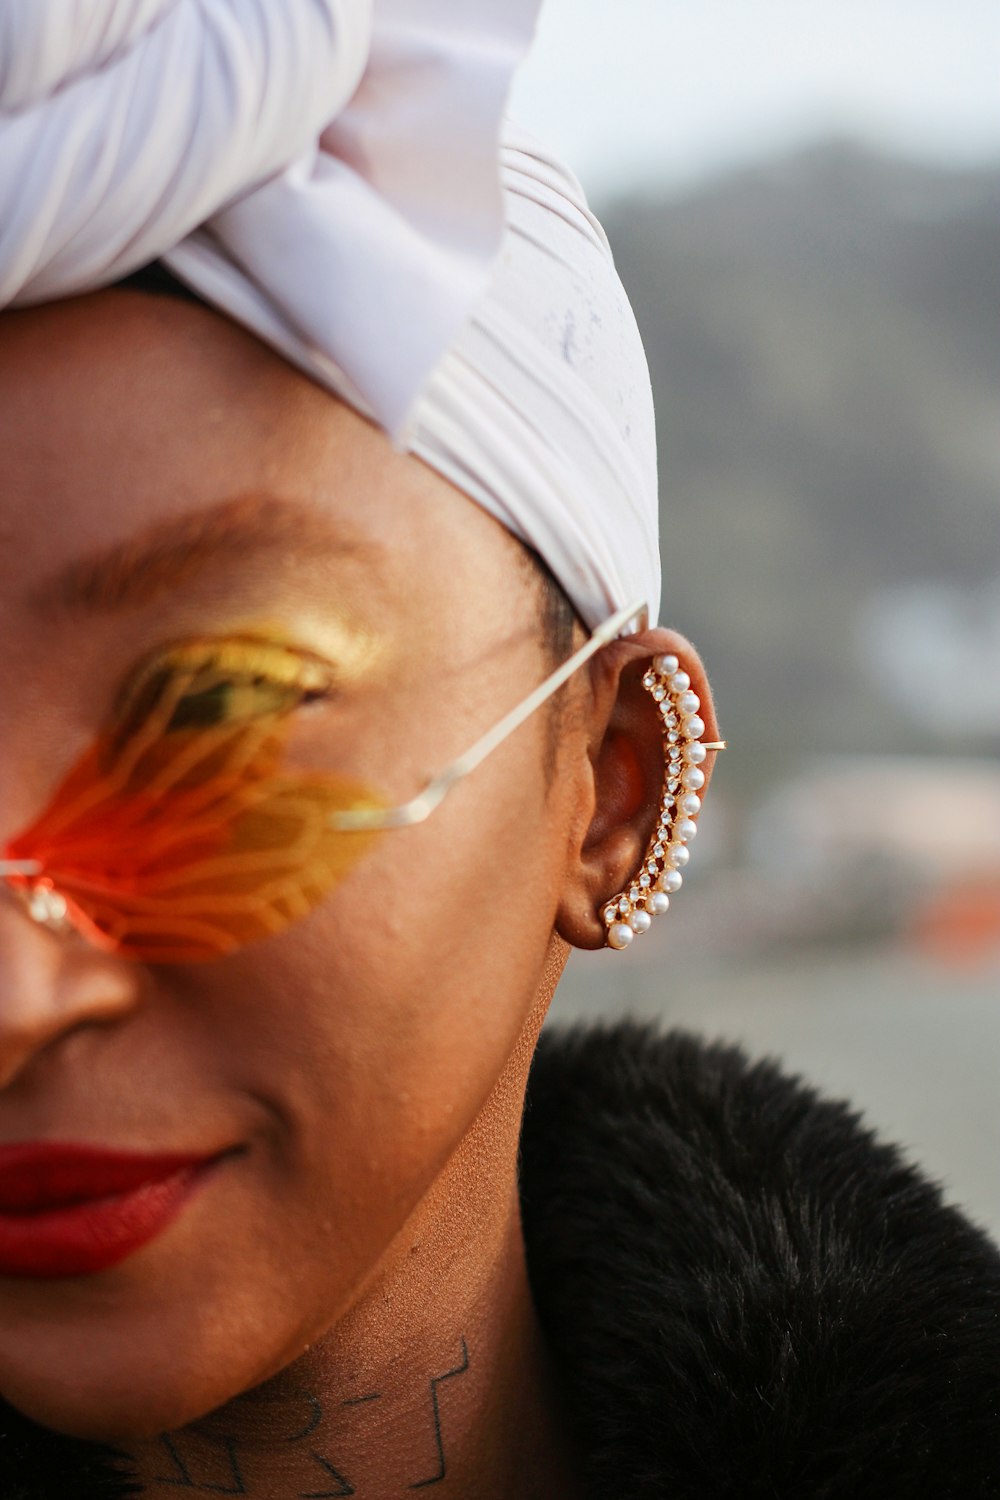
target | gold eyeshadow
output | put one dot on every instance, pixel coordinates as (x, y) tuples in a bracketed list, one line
[(348, 650)]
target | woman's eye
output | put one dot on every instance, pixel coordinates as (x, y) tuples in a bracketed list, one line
[(210, 684), (227, 700)]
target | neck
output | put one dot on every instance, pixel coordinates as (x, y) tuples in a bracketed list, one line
[(436, 1380)]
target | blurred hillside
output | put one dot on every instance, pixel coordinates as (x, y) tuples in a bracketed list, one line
[(824, 341)]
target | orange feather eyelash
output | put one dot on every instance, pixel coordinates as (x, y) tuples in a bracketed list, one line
[(176, 841)]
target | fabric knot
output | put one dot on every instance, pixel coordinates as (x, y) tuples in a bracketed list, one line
[(298, 163)]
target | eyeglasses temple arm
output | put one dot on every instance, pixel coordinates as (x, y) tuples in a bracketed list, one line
[(423, 804)]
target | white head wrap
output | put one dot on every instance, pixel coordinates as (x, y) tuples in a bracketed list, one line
[(326, 172)]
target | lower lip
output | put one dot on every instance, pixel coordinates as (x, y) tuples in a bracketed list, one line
[(84, 1238)]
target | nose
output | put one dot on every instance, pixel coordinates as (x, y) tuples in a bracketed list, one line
[(52, 984)]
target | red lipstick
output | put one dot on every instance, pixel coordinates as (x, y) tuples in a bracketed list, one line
[(73, 1210)]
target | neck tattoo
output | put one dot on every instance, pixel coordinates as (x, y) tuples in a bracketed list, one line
[(219, 1455)]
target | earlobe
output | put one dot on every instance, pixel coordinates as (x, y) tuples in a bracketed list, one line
[(650, 772)]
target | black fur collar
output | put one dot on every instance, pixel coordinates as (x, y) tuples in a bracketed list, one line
[(750, 1297), (746, 1294)]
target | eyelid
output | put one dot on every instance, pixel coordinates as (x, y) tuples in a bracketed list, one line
[(303, 671)]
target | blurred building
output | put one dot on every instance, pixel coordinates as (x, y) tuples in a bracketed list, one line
[(859, 846)]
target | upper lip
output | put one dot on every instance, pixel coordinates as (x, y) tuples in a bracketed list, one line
[(36, 1176)]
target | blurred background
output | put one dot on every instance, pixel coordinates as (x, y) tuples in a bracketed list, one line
[(804, 204)]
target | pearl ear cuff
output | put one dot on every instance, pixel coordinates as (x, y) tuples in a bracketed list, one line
[(631, 912)]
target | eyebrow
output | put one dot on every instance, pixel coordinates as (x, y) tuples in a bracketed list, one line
[(162, 556)]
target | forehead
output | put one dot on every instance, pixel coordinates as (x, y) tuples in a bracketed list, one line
[(124, 414), (121, 410)]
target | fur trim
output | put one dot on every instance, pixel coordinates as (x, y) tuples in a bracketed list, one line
[(36, 1464), (747, 1294)]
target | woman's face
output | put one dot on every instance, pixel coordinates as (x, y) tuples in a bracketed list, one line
[(332, 1068)]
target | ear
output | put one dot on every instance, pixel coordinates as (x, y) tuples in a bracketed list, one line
[(626, 778)]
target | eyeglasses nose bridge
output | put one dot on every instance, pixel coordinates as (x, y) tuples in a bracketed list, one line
[(19, 867), (41, 902)]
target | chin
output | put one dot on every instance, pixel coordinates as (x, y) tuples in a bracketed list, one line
[(100, 1413), (122, 1381), (111, 1390)]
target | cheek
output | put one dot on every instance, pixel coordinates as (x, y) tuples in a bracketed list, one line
[(389, 1016), (413, 983)]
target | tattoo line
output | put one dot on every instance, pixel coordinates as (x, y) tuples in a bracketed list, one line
[(449, 1375), (185, 1481), (345, 1486)]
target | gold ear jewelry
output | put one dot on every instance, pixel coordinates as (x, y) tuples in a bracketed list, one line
[(648, 895)]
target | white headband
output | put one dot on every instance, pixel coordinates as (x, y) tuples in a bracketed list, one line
[(326, 172)]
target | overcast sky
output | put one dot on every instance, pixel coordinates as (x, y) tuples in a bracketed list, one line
[(673, 90)]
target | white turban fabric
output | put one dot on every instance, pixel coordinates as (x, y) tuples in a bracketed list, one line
[(330, 174)]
